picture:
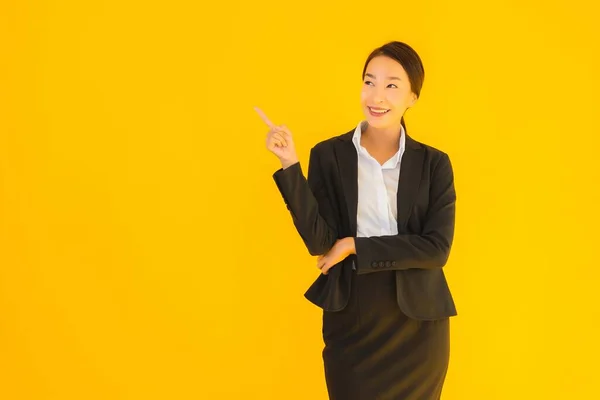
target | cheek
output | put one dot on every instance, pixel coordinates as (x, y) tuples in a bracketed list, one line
[(363, 96), (398, 99)]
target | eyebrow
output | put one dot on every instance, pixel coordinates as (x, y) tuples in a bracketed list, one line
[(391, 78)]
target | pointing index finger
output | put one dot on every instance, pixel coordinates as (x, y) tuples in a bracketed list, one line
[(264, 117)]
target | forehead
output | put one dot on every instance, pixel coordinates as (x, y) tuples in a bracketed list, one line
[(384, 67)]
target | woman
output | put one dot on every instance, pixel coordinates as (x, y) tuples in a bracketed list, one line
[(378, 209)]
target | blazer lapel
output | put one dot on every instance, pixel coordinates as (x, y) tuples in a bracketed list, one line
[(347, 162), (411, 167)]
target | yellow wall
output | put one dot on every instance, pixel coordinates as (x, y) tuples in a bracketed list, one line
[(145, 252)]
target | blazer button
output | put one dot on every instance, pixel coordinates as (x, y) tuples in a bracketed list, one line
[(393, 263), (388, 264), (374, 264), (381, 264)]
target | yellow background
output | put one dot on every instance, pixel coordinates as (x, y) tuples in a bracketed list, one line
[(145, 252)]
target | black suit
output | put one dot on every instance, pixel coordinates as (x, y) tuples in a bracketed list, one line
[(323, 207), (375, 345)]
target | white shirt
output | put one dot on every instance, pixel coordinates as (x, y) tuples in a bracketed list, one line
[(377, 189)]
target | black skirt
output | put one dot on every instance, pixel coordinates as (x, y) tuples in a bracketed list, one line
[(373, 351)]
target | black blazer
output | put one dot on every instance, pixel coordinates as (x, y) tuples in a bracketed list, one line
[(323, 207)]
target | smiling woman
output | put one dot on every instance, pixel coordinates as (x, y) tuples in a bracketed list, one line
[(378, 209)]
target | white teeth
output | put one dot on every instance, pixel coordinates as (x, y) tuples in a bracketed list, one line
[(379, 111)]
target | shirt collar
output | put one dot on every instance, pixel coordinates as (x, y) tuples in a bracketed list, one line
[(393, 162)]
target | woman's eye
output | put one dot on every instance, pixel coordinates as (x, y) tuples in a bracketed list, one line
[(391, 84)]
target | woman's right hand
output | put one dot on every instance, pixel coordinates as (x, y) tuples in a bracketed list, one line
[(279, 141)]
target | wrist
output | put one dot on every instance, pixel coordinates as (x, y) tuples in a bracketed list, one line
[(351, 245), (288, 163)]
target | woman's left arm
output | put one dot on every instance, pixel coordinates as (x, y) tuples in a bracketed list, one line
[(431, 248)]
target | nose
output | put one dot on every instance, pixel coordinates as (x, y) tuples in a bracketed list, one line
[(378, 95)]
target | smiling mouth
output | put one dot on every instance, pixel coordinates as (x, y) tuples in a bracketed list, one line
[(376, 111)]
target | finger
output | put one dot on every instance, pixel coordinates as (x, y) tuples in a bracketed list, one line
[(264, 117), (321, 263), (275, 137), (276, 142), (284, 130), (279, 137), (272, 141)]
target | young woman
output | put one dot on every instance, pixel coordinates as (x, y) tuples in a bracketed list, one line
[(377, 207)]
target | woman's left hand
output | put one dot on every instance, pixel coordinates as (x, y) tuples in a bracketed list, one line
[(340, 250)]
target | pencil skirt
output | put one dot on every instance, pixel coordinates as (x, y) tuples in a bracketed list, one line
[(373, 351)]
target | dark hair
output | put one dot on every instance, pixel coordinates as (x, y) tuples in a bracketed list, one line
[(408, 58)]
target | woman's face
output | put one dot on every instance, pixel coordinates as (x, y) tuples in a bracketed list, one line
[(385, 87)]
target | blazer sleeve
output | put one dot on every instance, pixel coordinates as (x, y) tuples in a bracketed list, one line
[(309, 206), (428, 250)]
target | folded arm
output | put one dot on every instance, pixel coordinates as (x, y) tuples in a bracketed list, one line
[(427, 250)]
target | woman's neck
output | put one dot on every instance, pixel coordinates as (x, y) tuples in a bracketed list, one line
[(383, 137)]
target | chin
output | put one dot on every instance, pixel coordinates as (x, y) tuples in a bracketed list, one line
[(377, 122)]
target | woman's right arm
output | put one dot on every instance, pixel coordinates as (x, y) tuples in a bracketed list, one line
[(307, 201), (306, 198)]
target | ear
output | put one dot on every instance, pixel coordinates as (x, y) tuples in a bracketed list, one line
[(413, 99)]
